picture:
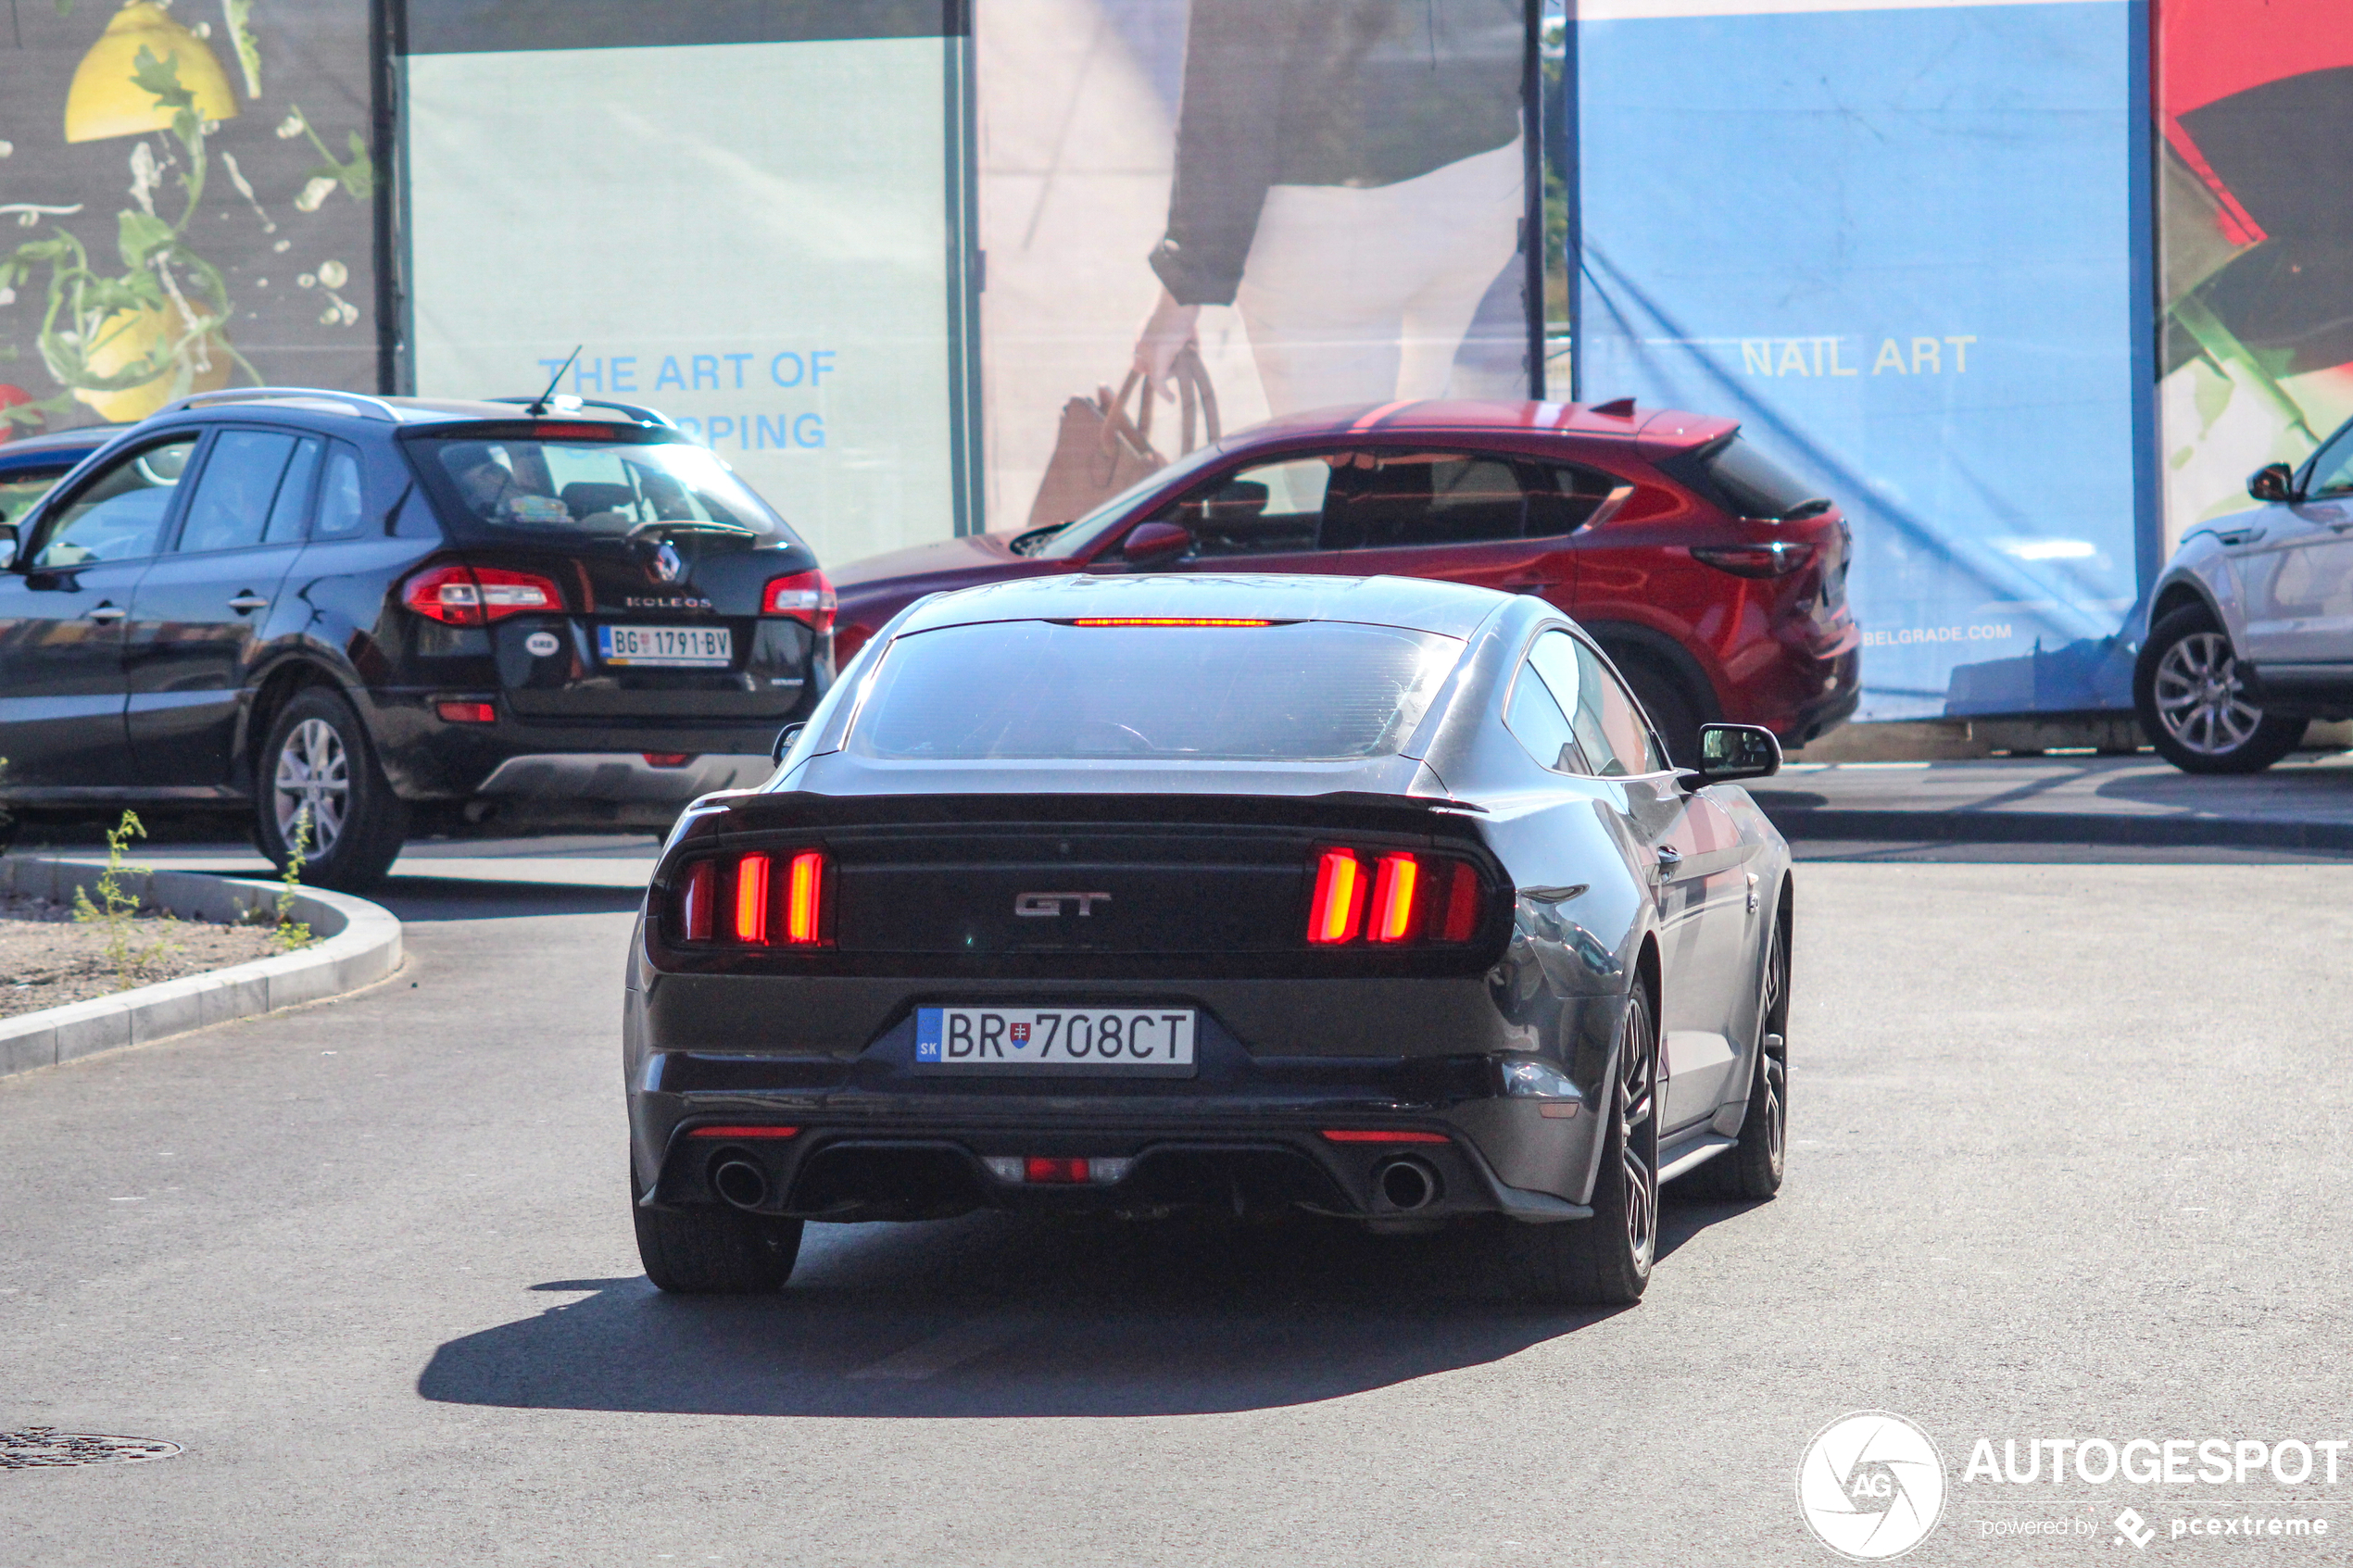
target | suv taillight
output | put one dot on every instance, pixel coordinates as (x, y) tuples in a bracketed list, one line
[(473, 596), (1393, 899), (759, 901), (1775, 558), (805, 596)]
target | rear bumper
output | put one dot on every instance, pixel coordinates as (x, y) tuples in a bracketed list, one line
[(874, 1139), (429, 757)]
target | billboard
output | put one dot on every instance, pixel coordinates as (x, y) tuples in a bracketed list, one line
[(1908, 245), (186, 202), (2254, 149), (742, 215), (1325, 198)]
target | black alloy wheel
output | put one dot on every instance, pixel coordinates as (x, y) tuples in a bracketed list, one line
[(1754, 1167), (317, 785), (1606, 1259), (2194, 705)]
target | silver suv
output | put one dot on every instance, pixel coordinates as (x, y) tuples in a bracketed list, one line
[(2251, 631)]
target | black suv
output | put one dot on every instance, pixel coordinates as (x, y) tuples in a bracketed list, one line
[(344, 612)]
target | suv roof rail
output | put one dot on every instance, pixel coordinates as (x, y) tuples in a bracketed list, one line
[(373, 408), (563, 401)]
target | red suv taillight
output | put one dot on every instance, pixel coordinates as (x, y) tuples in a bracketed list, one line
[(805, 596), (1775, 558), (473, 596), (1392, 899), (759, 900)]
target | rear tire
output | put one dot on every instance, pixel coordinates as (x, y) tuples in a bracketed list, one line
[(1754, 1167), (1606, 1261), (2188, 690), (715, 1251), (318, 764), (1671, 710)]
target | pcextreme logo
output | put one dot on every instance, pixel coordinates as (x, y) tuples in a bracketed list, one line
[(1871, 1486)]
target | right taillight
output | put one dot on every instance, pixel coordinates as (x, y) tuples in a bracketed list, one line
[(1393, 899), (474, 596), (1775, 558), (760, 899)]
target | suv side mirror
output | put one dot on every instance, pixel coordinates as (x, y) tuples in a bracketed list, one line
[(2273, 481), (8, 546), (1156, 544), (784, 737), (1737, 751)]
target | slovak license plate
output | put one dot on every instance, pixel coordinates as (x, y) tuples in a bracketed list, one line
[(1133, 1042), (692, 647)]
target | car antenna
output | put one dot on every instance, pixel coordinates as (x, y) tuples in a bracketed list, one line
[(537, 407)]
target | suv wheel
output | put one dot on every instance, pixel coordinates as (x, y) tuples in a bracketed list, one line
[(2193, 705), (1662, 696), (318, 779)]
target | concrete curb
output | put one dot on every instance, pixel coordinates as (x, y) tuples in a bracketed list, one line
[(1801, 822), (359, 945)]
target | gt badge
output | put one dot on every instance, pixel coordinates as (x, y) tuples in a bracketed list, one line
[(1047, 906)]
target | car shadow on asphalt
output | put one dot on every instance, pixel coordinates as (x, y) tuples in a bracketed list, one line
[(993, 1316)]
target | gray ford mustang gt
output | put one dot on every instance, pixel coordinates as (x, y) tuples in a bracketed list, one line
[(1374, 897)]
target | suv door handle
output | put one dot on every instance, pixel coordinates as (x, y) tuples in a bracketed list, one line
[(248, 601), (106, 614)]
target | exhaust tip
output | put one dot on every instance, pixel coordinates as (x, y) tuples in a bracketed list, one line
[(1406, 1184), (741, 1183)]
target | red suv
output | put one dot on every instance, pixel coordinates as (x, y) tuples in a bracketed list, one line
[(1715, 580)]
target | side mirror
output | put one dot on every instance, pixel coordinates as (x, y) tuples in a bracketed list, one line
[(1737, 751), (8, 546), (784, 737), (1156, 544), (2273, 481)]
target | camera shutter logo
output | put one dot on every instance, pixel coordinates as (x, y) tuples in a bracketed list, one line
[(1871, 1486)]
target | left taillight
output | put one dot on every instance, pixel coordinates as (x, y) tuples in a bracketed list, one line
[(1393, 899), (805, 596), (474, 596), (759, 900)]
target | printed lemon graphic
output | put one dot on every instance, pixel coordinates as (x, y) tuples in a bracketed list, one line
[(106, 100), (126, 338)]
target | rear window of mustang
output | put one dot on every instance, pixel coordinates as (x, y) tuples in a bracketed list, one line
[(1300, 691)]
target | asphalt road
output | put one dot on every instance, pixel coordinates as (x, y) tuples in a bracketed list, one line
[(2071, 1155)]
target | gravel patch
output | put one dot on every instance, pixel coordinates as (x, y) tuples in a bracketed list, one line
[(48, 959)]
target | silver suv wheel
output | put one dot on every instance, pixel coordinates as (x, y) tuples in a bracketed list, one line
[(313, 776), (2200, 700)]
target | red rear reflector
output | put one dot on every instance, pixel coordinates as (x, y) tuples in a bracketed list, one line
[(1378, 1134), (805, 596), (804, 898), (1167, 620), (1338, 910), (695, 901), (467, 713), (751, 899), (668, 758), (1395, 881), (745, 1133), (1462, 905), (1037, 1168)]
